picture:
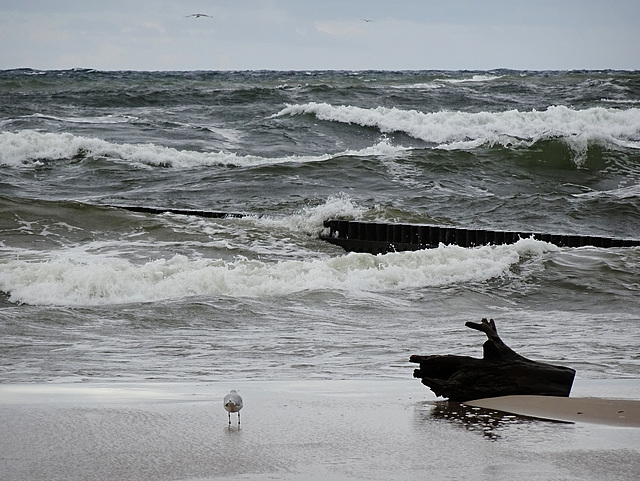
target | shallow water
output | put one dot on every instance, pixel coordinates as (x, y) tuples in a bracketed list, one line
[(345, 430)]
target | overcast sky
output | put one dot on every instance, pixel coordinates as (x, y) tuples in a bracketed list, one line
[(320, 34)]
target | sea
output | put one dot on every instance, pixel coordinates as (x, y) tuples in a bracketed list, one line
[(93, 292)]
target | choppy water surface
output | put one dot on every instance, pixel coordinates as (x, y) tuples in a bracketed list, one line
[(93, 292)]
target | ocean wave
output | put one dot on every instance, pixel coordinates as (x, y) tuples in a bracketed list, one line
[(620, 193), (29, 147), (472, 79), (310, 220), (512, 128), (99, 280), (621, 101), (307, 221), (91, 120), (89, 229)]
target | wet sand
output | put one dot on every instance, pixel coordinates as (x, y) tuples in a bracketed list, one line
[(615, 412), (307, 430)]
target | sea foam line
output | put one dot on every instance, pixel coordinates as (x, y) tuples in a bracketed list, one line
[(99, 280), (460, 130), (474, 79), (29, 147)]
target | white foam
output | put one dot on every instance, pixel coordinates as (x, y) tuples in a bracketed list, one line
[(71, 279), (306, 221), (103, 119), (29, 147), (467, 130), (628, 192), (620, 101), (310, 220), (472, 79), (418, 86), (17, 149)]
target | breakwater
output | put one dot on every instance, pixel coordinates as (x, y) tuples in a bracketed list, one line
[(380, 237)]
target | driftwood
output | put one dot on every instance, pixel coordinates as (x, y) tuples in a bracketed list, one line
[(501, 372)]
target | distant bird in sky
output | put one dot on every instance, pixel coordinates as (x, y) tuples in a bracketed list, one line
[(233, 404), (367, 20), (198, 15)]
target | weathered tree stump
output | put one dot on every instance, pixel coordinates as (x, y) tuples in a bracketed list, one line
[(501, 372)]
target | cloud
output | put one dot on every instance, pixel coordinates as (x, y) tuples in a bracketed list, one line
[(154, 26), (290, 34), (340, 29)]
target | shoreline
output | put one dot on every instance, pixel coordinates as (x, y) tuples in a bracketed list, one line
[(613, 412), (391, 429)]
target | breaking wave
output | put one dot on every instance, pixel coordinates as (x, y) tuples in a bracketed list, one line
[(512, 128), (71, 280), (29, 147)]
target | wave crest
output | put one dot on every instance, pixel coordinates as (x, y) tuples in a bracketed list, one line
[(96, 280), (512, 128), (29, 147)]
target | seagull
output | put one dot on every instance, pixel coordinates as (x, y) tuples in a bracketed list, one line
[(367, 20), (198, 15), (233, 404)]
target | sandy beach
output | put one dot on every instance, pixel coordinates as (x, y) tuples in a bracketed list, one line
[(339, 430), (614, 412)]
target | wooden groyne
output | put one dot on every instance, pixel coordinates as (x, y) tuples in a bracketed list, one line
[(159, 210), (380, 238)]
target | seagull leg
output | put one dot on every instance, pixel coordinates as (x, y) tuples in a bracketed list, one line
[(238, 417), (229, 418)]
